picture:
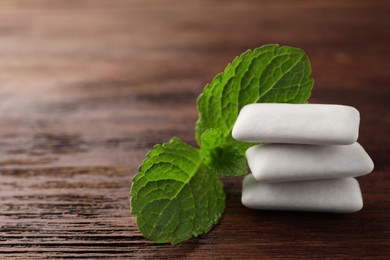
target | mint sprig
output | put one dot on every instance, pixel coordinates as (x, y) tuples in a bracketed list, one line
[(176, 193)]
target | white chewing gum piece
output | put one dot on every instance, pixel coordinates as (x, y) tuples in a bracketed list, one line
[(297, 162), (297, 123), (331, 195)]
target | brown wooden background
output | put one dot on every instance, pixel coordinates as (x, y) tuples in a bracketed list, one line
[(88, 87)]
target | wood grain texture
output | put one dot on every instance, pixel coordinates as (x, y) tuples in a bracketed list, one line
[(88, 87)]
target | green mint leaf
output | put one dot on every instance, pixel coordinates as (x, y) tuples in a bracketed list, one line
[(222, 158), (174, 197), (269, 74)]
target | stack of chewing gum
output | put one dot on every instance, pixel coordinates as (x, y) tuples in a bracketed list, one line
[(307, 158)]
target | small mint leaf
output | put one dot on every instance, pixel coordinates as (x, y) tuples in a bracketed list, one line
[(174, 196), (211, 139), (222, 159)]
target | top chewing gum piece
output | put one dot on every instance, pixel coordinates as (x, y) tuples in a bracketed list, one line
[(298, 124)]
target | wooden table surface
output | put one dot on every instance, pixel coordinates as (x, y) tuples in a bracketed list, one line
[(88, 87)]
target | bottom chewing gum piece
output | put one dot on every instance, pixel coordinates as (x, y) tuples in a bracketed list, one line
[(329, 195)]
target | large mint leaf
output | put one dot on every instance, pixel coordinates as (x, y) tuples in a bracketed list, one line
[(174, 197), (270, 74)]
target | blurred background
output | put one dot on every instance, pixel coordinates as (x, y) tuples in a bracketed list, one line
[(91, 81), (87, 87)]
